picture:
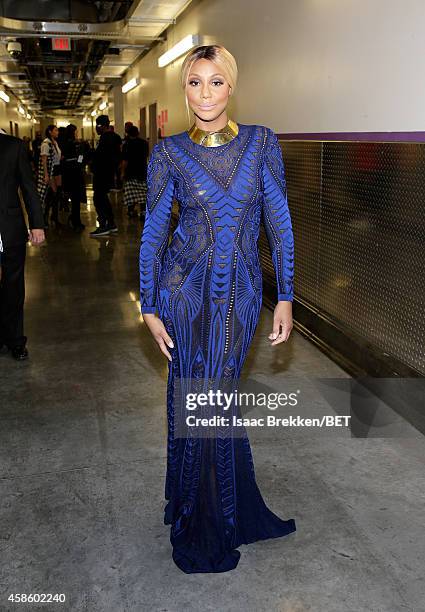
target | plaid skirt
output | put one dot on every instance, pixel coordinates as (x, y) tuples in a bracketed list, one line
[(135, 192), (42, 188)]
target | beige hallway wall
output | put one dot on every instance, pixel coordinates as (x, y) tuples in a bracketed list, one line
[(304, 65), (9, 112)]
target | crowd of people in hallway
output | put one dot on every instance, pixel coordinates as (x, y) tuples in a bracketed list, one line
[(61, 163), (51, 175)]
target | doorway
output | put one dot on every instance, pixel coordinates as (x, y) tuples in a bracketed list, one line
[(153, 130), (142, 123)]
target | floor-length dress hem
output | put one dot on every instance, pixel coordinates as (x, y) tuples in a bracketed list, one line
[(191, 563)]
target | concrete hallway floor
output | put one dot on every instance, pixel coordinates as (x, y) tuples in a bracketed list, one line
[(82, 464)]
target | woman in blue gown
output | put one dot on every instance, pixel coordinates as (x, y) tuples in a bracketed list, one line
[(206, 286)]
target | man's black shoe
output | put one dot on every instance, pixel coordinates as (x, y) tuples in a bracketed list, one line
[(19, 353), (100, 231)]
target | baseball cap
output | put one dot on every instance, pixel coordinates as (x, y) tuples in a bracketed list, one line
[(102, 120)]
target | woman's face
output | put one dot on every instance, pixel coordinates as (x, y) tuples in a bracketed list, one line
[(54, 132), (207, 90)]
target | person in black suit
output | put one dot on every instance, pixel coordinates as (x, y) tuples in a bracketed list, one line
[(105, 161), (15, 172)]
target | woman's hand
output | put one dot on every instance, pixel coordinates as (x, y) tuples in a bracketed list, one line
[(158, 331), (46, 179), (282, 318)]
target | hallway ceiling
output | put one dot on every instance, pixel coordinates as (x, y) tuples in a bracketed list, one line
[(83, 11), (105, 39)]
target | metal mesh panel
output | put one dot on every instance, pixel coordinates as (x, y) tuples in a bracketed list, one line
[(358, 219)]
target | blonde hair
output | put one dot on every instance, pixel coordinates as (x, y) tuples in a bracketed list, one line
[(217, 54)]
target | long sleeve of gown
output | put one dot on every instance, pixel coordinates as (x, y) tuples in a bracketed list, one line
[(159, 202), (277, 219)]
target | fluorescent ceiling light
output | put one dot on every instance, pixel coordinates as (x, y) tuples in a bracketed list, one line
[(93, 113), (21, 110), (4, 96), (188, 42), (130, 85), (103, 106), (28, 116)]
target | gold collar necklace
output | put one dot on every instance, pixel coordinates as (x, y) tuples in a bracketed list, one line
[(214, 139)]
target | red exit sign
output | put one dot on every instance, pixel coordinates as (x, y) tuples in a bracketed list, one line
[(61, 44)]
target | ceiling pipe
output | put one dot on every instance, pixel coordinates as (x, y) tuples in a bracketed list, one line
[(18, 27), (130, 37)]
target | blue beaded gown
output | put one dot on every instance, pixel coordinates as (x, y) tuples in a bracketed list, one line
[(206, 287)]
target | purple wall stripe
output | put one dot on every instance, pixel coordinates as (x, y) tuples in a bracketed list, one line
[(357, 136)]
